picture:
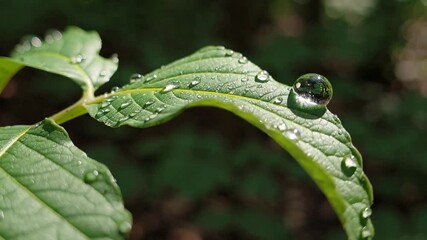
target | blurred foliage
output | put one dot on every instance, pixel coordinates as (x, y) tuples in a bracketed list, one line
[(209, 175)]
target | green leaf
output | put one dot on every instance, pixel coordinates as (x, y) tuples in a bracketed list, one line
[(73, 54), (52, 190), (218, 77)]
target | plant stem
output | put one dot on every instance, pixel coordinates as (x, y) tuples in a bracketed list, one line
[(73, 111)]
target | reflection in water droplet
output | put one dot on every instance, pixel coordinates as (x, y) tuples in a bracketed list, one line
[(262, 76), (124, 228), (243, 60), (278, 100), (367, 212), (195, 82), (135, 77), (314, 88), (91, 176), (293, 134), (170, 86)]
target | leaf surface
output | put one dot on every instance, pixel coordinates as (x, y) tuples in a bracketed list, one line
[(219, 77), (73, 54), (51, 190)]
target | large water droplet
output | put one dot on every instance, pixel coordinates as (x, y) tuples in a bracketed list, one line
[(91, 176), (366, 213), (314, 88), (170, 86), (135, 77), (293, 134), (195, 82), (262, 76)]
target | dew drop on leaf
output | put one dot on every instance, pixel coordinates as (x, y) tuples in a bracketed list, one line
[(282, 127), (91, 176), (229, 53), (195, 82), (366, 213), (149, 102), (125, 104), (243, 60), (1, 215), (293, 134), (278, 100), (36, 42), (314, 88), (115, 58), (366, 233), (114, 89), (112, 98), (78, 59), (103, 73), (151, 78), (244, 79), (349, 164), (124, 228), (170, 86), (262, 76), (135, 77)]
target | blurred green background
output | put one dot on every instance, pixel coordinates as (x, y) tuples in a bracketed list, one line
[(209, 175)]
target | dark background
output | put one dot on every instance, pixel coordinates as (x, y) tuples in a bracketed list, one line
[(209, 175)]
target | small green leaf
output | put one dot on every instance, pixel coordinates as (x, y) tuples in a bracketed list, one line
[(51, 190), (73, 54), (219, 77)]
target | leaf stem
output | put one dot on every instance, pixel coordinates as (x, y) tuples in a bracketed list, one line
[(71, 112)]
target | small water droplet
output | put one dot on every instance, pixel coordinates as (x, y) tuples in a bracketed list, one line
[(243, 60), (124, 228), (78, 59), (124, 118), (262, 76), (135, 77), (282, 127), (149, 102), (105, 110), (244, 79), (52, 35), (103, 73), (114, 89), (278, 100), (112, 98), (170, 86), (195, 82), (160, 109), (91, 176), (125, 104), (105, 104), (115, 58), (314, 87), (79, 162), (293, 134), (1, 215), (349, 165), (151, 78), (132, 114), (36, 42), (229, 52), (366, 213), (366, 233)]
